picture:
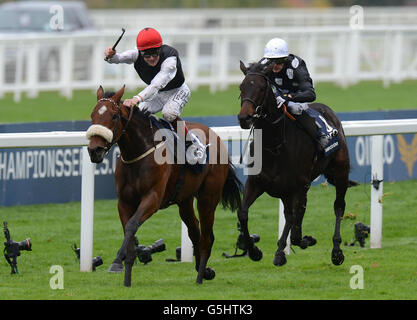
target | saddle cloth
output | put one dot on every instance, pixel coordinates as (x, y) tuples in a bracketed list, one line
[(323, 130)]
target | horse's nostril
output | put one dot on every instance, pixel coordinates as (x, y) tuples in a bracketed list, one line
[(243, 117), (96, 154)]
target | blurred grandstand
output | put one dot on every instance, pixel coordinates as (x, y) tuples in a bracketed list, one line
[(212, 36)]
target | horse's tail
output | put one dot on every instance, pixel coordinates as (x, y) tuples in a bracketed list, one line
[(231, 190)]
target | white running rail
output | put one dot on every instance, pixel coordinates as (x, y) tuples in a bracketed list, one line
[(376, 128)]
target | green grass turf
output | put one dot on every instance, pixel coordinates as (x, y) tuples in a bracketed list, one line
[(365, 96), (389, 272)]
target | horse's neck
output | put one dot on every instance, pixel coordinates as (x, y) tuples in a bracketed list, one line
[(137, 139), (276, 133), (272, 135)]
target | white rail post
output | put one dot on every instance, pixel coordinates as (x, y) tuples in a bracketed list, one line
[(281, 224), (186, 245), (377, 176), (2, 69), (87, 212)]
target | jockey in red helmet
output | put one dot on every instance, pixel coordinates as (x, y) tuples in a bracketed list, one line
[(148, 38), (159, 66)]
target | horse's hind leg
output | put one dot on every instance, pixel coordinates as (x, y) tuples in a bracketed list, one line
[(187, 214), (339, 174), (206, 205), (339, 210)]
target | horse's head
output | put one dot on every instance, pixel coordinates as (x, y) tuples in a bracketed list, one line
[(255, 91), (106, 128)]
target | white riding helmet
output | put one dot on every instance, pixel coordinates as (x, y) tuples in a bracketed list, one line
[(276, 48)]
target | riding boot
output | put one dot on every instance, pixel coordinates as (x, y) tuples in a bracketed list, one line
[(308, 124), (195, 150)]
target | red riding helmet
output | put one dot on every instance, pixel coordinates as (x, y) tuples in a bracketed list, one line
[(148, 38)]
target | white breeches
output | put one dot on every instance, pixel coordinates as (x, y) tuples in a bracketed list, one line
[(170, 102)]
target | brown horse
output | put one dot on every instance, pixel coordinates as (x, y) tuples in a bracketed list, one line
[(290, 162), (144, 185)]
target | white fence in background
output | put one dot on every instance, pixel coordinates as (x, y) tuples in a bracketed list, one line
[(137, 19), (31, 63), (351, 128)]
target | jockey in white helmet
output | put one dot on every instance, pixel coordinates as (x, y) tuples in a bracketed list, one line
[(294, 88)]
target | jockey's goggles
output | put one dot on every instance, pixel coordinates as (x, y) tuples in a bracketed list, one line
[(154, 52), (278, 60)]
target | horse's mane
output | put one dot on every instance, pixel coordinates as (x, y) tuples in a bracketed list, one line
[(136, 111), (259, 67), (109, 94)]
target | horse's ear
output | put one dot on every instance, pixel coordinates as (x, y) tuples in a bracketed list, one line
[(243, 67), (119, 94), (100, 93), (268, 68)]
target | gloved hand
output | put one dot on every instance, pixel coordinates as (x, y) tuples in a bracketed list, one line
[(280, 101), (131, 102)]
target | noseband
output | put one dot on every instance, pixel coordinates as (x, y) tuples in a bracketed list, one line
[(116, 127)]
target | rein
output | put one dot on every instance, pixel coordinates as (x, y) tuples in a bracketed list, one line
[(124, 129), (119, 118), (259, 114)]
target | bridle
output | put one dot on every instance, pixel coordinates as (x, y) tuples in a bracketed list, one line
[(119, 118), (260, 114), (115, 140), (259, 109)]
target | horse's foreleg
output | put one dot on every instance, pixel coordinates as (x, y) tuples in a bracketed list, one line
[(129, 232), (125, 213), (148, 206), (206, 206), (299, 208), (129, 261), (250, 194)]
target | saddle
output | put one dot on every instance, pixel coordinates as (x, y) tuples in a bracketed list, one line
[(169, 129)]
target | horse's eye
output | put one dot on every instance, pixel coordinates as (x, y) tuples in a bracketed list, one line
[(115, 116)]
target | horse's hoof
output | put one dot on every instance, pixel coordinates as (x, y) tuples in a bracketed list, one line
[(310, 240), (280, 259), (116, 268), (303, 244), (255, 254), (337, 257), (209, 274)]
